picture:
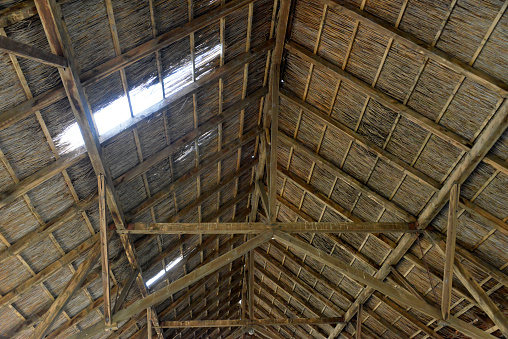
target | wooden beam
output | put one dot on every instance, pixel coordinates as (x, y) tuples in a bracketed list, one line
[(264, 197), (258, 227), (458, 141), (104, 250), (69, 290), (481, 297), (421, 47), (179, 284), (149, 322), (16, 13), (130, 281), (451, 232), (29, 52), (272, 185), (359, 322), (250, 322), (399, 295)]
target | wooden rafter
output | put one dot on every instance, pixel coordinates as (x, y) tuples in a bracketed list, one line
[(69, 290), (474, 288), (259, 227), (26, 51), (18, 12), (240, 322)]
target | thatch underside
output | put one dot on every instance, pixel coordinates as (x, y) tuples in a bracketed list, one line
[(383, 106)]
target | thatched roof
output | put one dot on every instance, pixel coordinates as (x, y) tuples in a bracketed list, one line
[(384, 106)]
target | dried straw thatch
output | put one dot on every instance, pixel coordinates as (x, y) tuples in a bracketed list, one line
[(381, 104)]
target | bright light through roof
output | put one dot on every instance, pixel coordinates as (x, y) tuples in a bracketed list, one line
[(168, 267), (142, 98)]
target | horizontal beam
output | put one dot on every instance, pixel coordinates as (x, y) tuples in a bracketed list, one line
[(26, 51), (18, 12), (248, 322), (259, 227)]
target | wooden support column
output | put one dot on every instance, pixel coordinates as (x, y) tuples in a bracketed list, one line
[(104, 249), (69, 290), (359, 322), (272, 186), (451, 235), (399, 295), (29, 52), (149, 322)]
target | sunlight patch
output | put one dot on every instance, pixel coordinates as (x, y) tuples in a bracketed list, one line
[(168, 267)]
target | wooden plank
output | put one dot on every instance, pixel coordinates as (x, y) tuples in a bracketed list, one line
[(104, 249), (359, 320), (481, 297), (421, 47), (451, 235), (264, 197), (399, 295), (274, 128), (161, 294), (29, 52), (149, 322), (69, 290), (259, 227)]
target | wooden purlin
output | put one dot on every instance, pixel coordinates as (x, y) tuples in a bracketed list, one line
[(26, 51)]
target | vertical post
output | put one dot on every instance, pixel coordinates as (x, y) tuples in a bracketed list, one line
[(251, 285), (104, 249), (149, 322), (274, 91), (359, 322), (451, 235)]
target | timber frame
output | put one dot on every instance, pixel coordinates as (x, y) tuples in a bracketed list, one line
[(286, 186)]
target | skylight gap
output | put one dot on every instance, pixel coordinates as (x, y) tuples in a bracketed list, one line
[(142, 97), (166, 269)]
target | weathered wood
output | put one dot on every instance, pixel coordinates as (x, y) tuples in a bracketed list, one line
[(69, 290), (481, 297), (60, 43), (359, 320), (16, 13), (263, 196), (399, 295), (451, 235), (249, 322), (29, 52), (421, 47), (274, 130), (403, 282), (104, 249), (179, 284), (130, 281), (149, 322), (258, 227)]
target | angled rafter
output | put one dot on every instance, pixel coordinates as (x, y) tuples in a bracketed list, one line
[(18, 12), (104, 249), (399, 295), (69, 290), (29, 52)]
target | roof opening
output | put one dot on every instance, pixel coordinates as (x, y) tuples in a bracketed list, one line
[(141, 99), (168, 267)]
